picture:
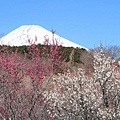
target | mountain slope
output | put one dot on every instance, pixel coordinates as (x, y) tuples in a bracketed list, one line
[(20, 36)]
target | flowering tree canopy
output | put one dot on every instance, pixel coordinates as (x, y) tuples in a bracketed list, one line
[(94, 96), (23, 80)]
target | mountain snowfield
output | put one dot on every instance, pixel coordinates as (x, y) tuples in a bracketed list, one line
[(20, 36)]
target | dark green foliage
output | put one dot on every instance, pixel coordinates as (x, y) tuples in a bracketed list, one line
[(66, 50), (77, 54)]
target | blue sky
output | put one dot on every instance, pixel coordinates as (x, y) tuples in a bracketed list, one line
[(85, 22)]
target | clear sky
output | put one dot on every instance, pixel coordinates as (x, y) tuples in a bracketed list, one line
[(85, 22)]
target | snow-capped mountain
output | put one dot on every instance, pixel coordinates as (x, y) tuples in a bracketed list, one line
[(20, 36)]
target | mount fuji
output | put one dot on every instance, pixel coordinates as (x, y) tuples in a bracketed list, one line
[(20, 36)]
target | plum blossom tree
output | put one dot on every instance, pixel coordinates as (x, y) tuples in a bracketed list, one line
[(23, 80), (81, 96)]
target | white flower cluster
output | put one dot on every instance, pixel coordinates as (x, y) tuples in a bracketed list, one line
[(78, 96)]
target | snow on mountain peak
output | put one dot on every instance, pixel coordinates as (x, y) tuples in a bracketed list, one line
[(20, 36)]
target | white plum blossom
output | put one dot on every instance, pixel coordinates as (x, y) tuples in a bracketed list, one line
[(77, 96)]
